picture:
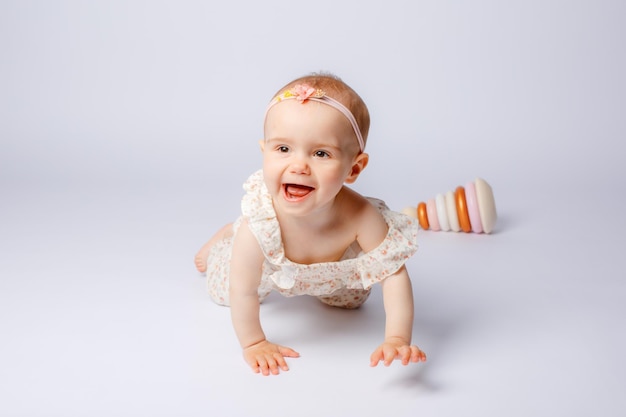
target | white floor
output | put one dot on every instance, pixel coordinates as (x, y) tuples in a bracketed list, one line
[(102, 314), (127, 128)]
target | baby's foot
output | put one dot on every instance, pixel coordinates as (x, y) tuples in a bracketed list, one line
[(200, 261), (203, 254)]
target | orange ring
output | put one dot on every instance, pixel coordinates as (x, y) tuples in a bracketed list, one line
[(422, 216), (461, 209)]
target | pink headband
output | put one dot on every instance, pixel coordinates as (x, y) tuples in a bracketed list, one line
[(304, 92)]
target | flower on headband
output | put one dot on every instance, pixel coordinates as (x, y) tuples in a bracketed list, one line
[(303, 92)]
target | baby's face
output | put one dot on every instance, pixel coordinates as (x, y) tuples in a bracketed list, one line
[(308, 153)]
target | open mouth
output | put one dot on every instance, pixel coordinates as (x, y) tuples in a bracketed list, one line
[(294, 192)]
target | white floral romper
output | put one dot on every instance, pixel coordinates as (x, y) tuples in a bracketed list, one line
[(345, 283)]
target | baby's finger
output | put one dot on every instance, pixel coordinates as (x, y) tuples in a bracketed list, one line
[(253, 364), (389, 354), (263, 366), (376, 357), (273, 365), (417, 355), (280, 361), (404, 354), (289, 352)]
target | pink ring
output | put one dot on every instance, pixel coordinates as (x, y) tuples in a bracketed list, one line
[(431, 208), (472, 207)]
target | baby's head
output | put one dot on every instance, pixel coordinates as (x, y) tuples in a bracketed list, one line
[(331, 90)]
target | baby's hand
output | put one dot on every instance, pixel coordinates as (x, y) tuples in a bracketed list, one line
[(267, 357), (396, 348)]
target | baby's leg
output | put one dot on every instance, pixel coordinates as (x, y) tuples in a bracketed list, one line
[(202, 255), (346, 298)]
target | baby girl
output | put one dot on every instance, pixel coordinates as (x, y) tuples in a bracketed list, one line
[(303, 231)]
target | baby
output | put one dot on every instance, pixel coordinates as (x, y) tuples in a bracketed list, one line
[(303, 231)]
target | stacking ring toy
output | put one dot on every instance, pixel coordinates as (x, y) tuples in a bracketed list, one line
[(469, 209)]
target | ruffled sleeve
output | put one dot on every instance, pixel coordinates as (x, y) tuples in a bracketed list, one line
[(392, 253), (257, 208)]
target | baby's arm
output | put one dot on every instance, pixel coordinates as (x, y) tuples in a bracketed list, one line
[(397, 299), (398, 302), (245, 277)]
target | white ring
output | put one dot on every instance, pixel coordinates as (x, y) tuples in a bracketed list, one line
[(440, 202), (486, 205), (453, 217)]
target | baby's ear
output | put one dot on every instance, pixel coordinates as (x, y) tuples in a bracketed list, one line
[(262, 145), (359, 164)]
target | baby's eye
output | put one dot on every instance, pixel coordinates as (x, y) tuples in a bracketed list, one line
[(283, 149), (322, 154)]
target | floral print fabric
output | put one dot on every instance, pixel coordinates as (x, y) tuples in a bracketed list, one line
[(348, 279)]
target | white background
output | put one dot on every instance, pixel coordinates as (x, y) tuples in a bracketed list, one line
[(128, 127)]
